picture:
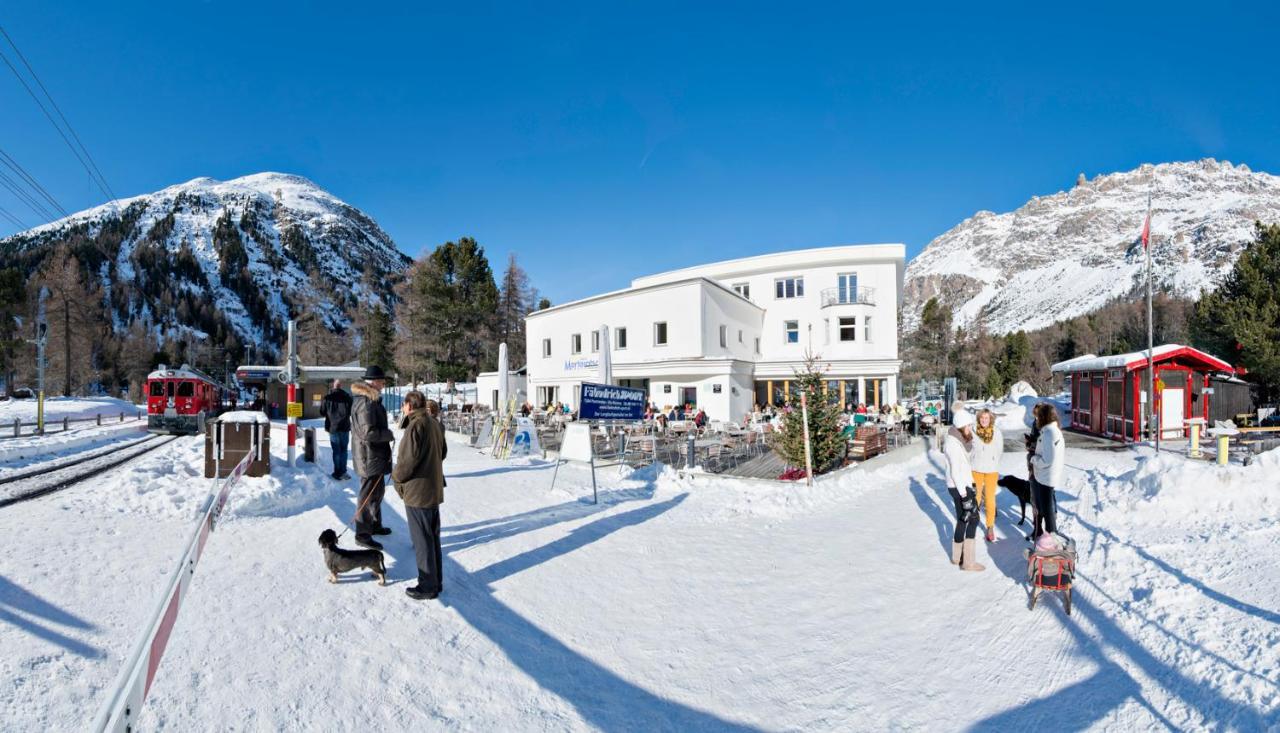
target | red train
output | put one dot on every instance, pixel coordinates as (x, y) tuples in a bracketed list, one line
[(180, 400)]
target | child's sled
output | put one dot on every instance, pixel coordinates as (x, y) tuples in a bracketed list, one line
[(1052, 569)]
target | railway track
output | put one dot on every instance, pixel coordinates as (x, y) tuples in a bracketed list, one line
[(49, 479)]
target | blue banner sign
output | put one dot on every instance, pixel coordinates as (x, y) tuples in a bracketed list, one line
[(607, 402)]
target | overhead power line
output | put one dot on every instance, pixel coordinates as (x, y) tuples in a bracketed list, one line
[(16, 222), (31, 182), (81, 152), (21, 192)]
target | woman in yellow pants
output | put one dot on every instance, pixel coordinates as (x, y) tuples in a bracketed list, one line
[(988, 448)]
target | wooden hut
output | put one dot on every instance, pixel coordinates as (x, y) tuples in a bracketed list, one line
[(1106, 391)]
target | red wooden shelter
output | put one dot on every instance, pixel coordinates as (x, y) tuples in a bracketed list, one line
[(1106, 390)]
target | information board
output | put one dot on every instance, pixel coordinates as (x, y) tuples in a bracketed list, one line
[(609, 402), (294, 409), (525, 440)]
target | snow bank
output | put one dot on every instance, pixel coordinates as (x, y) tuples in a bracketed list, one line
[(1013, 414), (24, 449), (1172, 490), (71, 407), (1019, 390)]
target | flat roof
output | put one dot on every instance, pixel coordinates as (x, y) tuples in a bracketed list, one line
[(787, 259), (633, 290)]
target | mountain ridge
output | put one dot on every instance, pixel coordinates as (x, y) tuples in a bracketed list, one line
[(1067, 254)]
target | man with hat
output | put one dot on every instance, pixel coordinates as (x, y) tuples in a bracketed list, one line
[(371, 454)]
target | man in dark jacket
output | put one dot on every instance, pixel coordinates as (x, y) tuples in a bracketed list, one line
[(371, 455), (336, 409), (419, 479)]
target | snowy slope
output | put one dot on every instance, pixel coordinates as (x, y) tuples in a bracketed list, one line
[(673, 605), (263, 245), (1067, 254)]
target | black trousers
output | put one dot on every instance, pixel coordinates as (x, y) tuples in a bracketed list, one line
[(424, 530), (966, 522), (1046, 503), (372, 488)]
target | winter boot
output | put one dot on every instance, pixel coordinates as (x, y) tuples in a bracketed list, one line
[(956, 549), (970, 557)]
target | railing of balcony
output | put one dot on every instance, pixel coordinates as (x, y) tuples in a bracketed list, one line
[(847, 296)]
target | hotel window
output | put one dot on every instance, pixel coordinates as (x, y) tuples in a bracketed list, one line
[(743, 289), (757, 344), (826, 331), (546, 347), (848, 329), (622, 338), (660, 333), (575, 343), (595, 341), (791, 332), (866, 326), (724, 337), (789, 287), (848, 288), (739, 335)]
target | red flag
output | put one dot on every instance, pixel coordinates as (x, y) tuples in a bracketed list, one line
[(1146, 230)]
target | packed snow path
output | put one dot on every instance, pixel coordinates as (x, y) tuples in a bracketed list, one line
[(672, 605)]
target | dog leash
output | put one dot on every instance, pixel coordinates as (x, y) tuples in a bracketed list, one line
[(359, 509)]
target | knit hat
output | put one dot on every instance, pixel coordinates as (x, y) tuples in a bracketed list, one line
[(961, 419)]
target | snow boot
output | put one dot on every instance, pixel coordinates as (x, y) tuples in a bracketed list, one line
[(365, 540), (382, 531), (421, 594), (970, 557), (956, 549)]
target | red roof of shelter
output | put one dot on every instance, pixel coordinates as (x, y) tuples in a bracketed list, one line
[(1138, 359)]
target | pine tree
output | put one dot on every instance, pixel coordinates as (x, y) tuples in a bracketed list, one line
[(13, 297), (828, 444), (377, 339), (515, 300), (930, 346), (1240, 320)]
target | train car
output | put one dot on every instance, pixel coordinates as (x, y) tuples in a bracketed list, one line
[(180, 400)]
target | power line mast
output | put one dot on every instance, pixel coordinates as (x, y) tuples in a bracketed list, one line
[(41, 338)]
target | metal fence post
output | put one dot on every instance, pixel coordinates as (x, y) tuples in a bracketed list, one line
[(17, 427), (99, 418), (692, 457), (65, 422)]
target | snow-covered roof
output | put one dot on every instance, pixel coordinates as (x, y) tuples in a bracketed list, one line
[(1137, 359)]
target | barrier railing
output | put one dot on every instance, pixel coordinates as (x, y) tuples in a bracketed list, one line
[(17, 425), (120, 711)]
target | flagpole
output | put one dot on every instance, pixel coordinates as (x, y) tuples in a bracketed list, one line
[(1151, 367)]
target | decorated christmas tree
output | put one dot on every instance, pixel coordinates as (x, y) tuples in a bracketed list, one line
[(829, 445)]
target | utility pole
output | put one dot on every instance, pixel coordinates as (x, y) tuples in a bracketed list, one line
[(42, 334), (291, 374), (1152, 420)]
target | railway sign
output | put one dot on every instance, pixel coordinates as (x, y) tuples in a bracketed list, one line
[(294, 409)]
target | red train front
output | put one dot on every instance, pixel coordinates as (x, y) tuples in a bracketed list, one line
[(180, 400)]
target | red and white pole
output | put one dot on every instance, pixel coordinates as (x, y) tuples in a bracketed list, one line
[(292, 393)]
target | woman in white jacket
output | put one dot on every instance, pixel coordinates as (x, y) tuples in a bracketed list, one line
[(988, 449), (1046, 467), (955, 447)]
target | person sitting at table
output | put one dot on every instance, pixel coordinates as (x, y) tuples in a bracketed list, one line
[(700, 419), (862, 408)]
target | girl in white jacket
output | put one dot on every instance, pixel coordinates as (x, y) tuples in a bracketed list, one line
[(1046, 468), (988, 449), (955, 446)]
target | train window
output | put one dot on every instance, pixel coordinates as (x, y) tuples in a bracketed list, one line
[(186, 389), (157, 389), (169, 388)]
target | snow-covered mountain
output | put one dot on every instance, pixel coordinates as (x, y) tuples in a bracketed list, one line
[(1065, 255), (238, 256)]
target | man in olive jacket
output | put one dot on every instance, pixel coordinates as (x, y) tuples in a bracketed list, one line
[(419, 478), (371, 454)]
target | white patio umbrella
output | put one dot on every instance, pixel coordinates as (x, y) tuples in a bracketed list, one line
[(606, 362), (502, 379)]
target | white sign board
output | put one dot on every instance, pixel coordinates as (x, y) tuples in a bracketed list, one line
[(576, 446), (484, 436), (577, 443), (525, 440)]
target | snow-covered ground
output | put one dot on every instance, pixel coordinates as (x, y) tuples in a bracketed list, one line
[(674, 604), (56, 408)]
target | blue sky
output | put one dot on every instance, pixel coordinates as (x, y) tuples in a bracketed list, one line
[(606, 140)]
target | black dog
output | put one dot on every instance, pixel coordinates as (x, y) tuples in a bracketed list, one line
[(339, 560), (1020, 488)]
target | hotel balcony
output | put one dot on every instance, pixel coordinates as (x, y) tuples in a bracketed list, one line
[(847, 296)]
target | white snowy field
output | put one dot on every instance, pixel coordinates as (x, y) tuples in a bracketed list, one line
[(674, 604), (56, 408)]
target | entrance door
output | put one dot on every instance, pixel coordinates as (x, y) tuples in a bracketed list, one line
[(689, 396), (1171, 413), (1097, 410)]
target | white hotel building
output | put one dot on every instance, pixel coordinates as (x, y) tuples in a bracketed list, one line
[(729, 335)]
